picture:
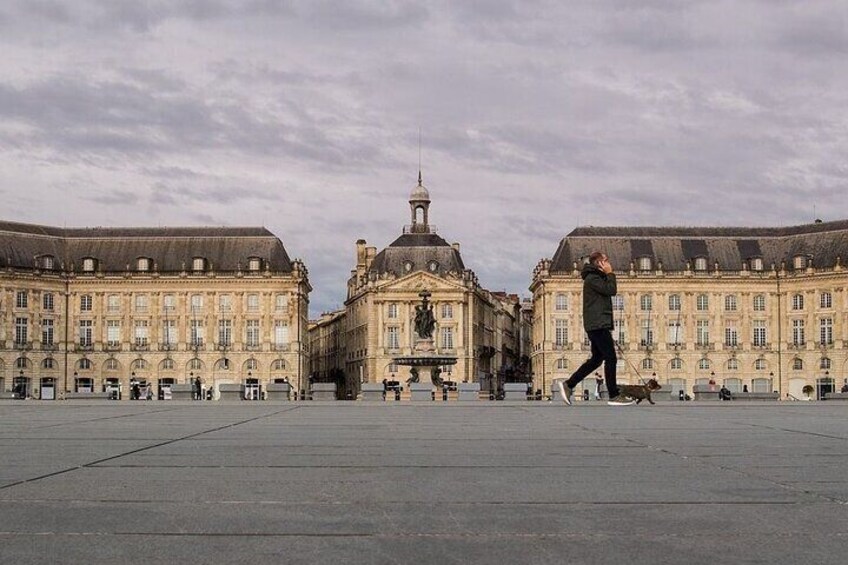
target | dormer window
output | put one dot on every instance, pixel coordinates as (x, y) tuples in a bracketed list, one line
[(88, 265), (645, 263), (433, 266), (143, 264), (48, 262), (198, 264), (407, 266), (700, 263), (756, 263), (799, 262), (254, 264)]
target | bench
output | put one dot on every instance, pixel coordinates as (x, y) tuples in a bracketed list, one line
[(88, 396), (836, 396), (755, 396)]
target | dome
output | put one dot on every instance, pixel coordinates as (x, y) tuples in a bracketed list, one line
[(419, 193)]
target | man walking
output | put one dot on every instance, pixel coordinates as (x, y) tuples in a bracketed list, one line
[(599, 287)]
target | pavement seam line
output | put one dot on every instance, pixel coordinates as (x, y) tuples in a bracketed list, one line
[(134, 451)]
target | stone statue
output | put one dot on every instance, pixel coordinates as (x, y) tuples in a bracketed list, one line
[(425, 320), (435, 376), (413, 375)]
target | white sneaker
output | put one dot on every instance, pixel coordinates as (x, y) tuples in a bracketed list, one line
[(565, 391)]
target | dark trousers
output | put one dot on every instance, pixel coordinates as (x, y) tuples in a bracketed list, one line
[(603, 351)]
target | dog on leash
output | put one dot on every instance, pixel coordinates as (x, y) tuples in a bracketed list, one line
[(640, 392)]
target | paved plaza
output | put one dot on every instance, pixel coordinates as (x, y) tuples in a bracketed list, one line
[(250, 482)]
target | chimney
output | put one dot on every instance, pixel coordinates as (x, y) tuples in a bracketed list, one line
[(455, 246), (370, 253), (360, 252)]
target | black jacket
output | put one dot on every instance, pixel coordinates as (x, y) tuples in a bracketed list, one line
[(598, 290)]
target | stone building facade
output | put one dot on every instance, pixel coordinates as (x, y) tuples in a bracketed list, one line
[(759, 308), (92, 310), (327, 350), (479, 327)]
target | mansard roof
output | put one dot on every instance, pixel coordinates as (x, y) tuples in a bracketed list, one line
[(172, 249), (730, 247), (419, 249)]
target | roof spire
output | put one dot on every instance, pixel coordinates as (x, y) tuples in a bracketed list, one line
[(419, 177), (419, 155)]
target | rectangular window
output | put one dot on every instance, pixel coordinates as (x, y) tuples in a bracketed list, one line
[(447, 311), (281, 303), (646, 337), (225, 303), (47, 301), (252, 302), (797, 301), (225, 333), (702, 328), (47, 332), (760, 303), (253, 333), (798, 337), (646, 302), (826, 300), (447, 338), (169, 303), (198, 335), (392, 312), (142, 337), (675, 332), (760, 336), (826, 331), (196, 302), (21, 331), (281, 333), (392, 337), (21, 299), (85, 303), (731, 334), (560, 332), (169, 332), (702, 303), (619, 331), (86, 328), (113, 333), (113, 303), (141, 303)]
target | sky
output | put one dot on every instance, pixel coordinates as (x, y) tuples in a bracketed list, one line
[(535, 117)]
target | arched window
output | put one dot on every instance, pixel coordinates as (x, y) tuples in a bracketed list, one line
[(733, 364), (167, 364), (674, 302), (195, 364), (760, 365), (797, 364), (84, 364), (730, 304), (825, 363), (280, 365), (562, 364), (48, 363), (89, 264), (647, 364), (139, 364), (704, 364), (251, 365), (561, 302), (676, 364), (700, 263), (111, 365)]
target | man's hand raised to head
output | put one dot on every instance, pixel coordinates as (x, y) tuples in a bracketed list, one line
[(605, 266)]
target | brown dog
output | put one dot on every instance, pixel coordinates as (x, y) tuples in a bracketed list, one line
[(640, 392)]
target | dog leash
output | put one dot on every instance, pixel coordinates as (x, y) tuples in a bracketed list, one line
[(623, 356)]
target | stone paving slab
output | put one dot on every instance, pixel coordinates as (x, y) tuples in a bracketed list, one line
[(165, 482)]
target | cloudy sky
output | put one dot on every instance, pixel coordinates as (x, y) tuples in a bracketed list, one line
[(535, 117)]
